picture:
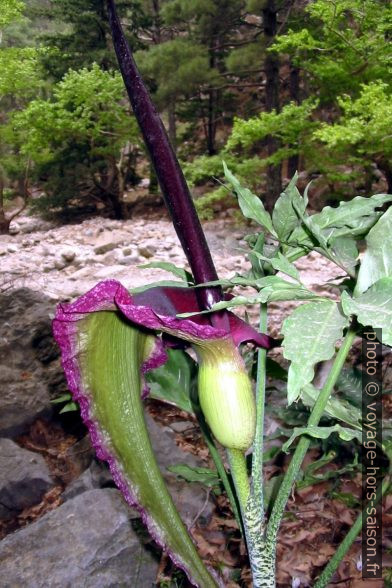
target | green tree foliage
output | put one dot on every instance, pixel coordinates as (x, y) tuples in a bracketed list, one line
[(340, 45), (84, 37), (339, 126), (20, 81), (188, 65), (10, 10), (363, 131), (82, 143)]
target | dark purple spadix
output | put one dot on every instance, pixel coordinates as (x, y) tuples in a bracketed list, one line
[(171, 179)]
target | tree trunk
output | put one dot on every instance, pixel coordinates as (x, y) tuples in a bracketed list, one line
[(211, 126), (271, 67), (386, 168), (293, 162), (4, 222)]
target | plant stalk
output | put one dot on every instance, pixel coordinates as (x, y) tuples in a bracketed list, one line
[(303, 444), (258, 445)]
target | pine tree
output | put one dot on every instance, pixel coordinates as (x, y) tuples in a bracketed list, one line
[(85, 38)]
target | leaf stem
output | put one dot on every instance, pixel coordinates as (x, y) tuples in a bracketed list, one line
[(303, 444)]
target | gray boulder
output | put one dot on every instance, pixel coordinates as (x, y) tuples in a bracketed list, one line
[(88, 542), (29, 360), (190, 499), (24, 478)]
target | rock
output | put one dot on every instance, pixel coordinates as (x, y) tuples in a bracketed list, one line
[(3, 251), (47, 266), (96, 476), (88, 542), (24, 478), (129, 251), (12, 248), (82, 274), (111, 272), (68, 255), (29, 359), (130, 260), (145, 252), (189, 498), (175, 252), (43, 250), (112, 257), (107, 242), (32, 224), (180, 426), (14, 228), (60, 263), (144, 183)]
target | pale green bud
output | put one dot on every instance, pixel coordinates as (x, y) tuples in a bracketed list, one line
[(226, 396)]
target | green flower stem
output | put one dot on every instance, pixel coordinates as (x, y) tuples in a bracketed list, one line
[(216, 458), (345, 545), (303, 444), (239, 474), (258, 445)]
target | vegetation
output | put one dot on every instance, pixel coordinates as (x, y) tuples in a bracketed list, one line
[(270, 86), (267, 86)]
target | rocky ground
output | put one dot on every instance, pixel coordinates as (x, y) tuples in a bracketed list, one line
[(65, 261), (60, 515)]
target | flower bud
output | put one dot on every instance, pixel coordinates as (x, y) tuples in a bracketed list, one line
[(226, 396)]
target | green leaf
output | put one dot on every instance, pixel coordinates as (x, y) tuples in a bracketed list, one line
[(61, 398), (160, 284), (251, 206), (204, 476), (349, 385), (272, 288), (336, 408), (174, 381), (344, 250), (69, 407), (311, 477), (323, 433), (374, 307), (377, 261), (280, 263), (352, 218), (284, 216), (172, 268), (110, 355), (310, 334)]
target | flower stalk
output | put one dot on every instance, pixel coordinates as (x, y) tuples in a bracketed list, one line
[(174, 188)]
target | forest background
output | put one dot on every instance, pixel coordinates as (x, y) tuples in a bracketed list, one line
[(270, 86)]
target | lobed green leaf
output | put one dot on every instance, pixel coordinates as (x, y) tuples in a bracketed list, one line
[(323, 433), (250, 204), (310, 334)]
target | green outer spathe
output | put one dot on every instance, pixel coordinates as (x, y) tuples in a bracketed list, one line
[(112, 352)]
